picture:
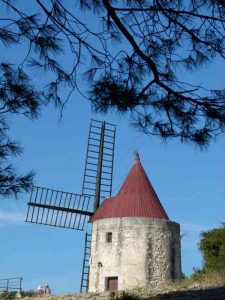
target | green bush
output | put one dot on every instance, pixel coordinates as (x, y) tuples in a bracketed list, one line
[(12, 295), (124, 296), (212, 246), (197, 274), (30, 293), (7, 295)]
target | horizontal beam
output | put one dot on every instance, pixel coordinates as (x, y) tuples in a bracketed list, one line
[(63, 209)]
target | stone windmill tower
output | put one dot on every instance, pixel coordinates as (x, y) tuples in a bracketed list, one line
[(133, 241)]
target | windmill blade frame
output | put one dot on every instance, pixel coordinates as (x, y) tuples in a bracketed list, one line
[(97, 181), (57, 208), (73, 211)]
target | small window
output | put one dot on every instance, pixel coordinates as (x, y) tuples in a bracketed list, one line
[(100, 265), (108, 237), (111, 283)]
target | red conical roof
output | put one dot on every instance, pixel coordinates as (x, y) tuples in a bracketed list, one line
[(136, 198)]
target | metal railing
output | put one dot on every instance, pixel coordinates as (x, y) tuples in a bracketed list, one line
[(11, 284)]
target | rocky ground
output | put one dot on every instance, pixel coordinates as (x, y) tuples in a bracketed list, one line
[(209, 287)]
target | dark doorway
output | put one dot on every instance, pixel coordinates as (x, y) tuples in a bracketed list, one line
[(111, 283)]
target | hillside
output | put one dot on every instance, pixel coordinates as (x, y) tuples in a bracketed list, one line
[(210, 287)]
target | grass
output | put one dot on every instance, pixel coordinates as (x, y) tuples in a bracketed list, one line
[(200, 279), (124, 296)]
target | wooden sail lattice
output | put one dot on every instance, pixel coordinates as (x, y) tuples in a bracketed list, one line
[(98, 172), (86, 266), (58, 208), (73, 211), (97, 181)]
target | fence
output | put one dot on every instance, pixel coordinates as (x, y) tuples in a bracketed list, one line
[(11, 284)]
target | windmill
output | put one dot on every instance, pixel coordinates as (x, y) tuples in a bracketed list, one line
[(68, 210)]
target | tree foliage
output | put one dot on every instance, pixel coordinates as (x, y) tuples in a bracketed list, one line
[(212, 246), (17, 96), (132, 58)]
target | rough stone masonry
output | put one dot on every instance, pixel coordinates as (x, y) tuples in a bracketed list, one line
[(143, 252)]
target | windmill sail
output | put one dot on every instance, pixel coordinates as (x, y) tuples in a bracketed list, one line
[(73, 211), (98, 172), (85, 269), (57, 208)]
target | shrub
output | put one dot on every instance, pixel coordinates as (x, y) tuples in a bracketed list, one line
[(124, 296), (212, 246), (7, 295)]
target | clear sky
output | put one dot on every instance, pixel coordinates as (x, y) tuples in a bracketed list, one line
[(189, 183)]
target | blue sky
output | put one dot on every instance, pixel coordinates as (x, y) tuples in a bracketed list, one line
[(189, 183)]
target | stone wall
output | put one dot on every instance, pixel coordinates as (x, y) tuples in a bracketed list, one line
[(143, 252)]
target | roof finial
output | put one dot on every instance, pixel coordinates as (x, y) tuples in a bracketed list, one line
[(136, 155)]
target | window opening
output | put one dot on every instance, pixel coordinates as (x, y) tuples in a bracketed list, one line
[(109, 237)]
